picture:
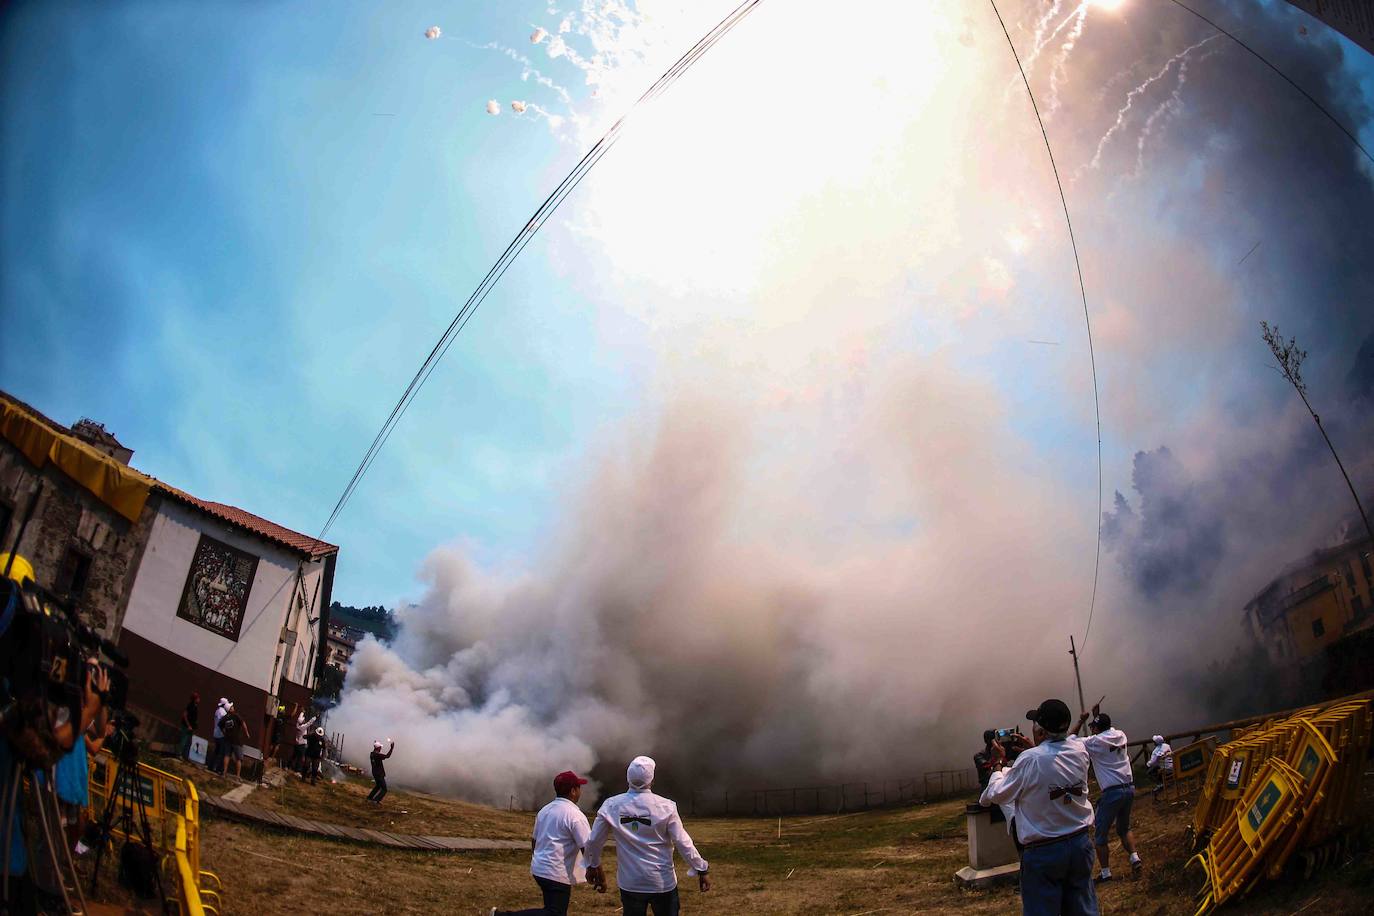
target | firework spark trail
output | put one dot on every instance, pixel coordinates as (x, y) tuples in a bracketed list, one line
[(1058, 71), (529, 70), (1169, 106), (1042, 40), (1179, 58)]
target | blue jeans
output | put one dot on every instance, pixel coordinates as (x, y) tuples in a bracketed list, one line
[(1114, 807), (1057, 878)]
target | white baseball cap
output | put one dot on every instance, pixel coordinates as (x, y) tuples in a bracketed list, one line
[(640, 773)]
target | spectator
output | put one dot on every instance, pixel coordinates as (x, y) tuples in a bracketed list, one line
[(278, 729), (1112, 767), (983, 760), (560, 833), (314, 750), (1161, 762), (190, 716), (379, 771), (302, 730), (1049, 786), (235, 731), (217, 748), (646, 828)]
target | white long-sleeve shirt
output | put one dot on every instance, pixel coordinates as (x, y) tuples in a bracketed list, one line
[(646, 828), (560, 832), (1049, 786), (303, 726), (1163, 757), (1111, 758)]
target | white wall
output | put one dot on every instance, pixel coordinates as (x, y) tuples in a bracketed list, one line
[(152, 611)]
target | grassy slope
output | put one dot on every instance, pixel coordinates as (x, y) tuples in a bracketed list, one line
[(894, 861)]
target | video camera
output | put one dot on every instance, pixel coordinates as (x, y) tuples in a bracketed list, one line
[(46, 650)]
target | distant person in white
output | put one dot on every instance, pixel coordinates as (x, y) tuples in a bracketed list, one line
[(1049, 786), (1161, 761), (1112, 767), (646, 828), (560, 833)]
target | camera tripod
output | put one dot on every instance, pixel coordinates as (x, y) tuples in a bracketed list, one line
[(54, 872), (126, 797)]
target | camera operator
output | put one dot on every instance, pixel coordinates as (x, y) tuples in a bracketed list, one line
[(19, 891), (1012, 744), (1049, 787)]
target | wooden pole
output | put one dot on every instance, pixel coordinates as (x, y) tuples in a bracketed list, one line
[(1073, 650)]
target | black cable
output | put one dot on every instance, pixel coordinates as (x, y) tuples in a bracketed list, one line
[(1262, 59), (1083, 291), (517, 244)]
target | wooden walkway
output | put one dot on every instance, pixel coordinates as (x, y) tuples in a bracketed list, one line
[(260, 817)]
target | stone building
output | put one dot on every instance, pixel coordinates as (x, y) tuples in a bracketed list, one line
[(200, 595)]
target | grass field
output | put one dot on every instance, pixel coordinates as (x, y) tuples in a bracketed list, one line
[(898, 860)]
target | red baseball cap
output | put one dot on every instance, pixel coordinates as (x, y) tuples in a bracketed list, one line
[(567, 779)]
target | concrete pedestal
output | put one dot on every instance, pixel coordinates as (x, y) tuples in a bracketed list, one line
[(991, 853)]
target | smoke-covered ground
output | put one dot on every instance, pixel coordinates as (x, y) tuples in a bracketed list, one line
[(850, 525)]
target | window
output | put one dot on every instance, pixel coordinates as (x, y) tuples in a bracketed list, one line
[(1358, 604), (1364, 566), (1318, 628), (1350, 578), (72, 574)]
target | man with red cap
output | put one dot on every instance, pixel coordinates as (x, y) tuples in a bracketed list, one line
[(560, 832)]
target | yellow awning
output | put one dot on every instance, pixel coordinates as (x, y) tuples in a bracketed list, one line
[(116, 485)]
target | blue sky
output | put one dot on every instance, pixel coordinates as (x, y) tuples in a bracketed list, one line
[(232, 232)]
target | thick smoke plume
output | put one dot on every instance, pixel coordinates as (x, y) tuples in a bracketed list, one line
[(668, 620)]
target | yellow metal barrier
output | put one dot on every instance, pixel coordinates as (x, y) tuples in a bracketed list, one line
[(173, 808), (1281, 786)]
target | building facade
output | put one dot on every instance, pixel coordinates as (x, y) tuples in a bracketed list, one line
[(1320, 601), (200, 596)]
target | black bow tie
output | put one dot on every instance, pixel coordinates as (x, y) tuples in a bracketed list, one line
[(630, 819), (1057, 792)]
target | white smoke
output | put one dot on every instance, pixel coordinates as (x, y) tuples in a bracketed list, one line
[(669, 619), (493, 107)]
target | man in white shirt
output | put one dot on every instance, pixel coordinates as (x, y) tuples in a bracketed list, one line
[(1112, 767), (560, 833), (646, 828), (1161, 762), (1049, 786)]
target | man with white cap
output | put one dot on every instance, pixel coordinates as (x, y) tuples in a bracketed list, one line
[(646, 828), (1049, 786), (216, 762), (560, 833), (379, 770), (1112, 766), (1161, 762)]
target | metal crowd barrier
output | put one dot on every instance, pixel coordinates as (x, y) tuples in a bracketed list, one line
[(1280, 787), (173, 808)]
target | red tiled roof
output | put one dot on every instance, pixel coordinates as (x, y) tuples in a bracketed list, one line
[(256, 524)]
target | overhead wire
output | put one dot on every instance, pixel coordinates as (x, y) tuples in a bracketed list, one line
[(1087, 320), (518, 243)]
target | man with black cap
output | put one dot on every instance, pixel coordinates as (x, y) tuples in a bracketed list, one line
[(560, 833), (1112, 766), (1049, 786)]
